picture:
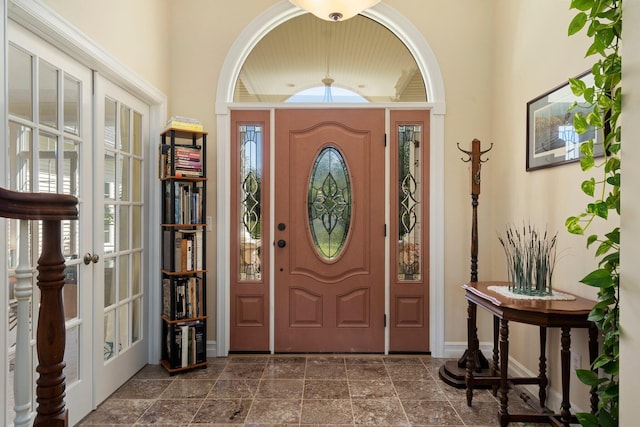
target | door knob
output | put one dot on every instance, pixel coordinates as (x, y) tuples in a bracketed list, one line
[(89, 258), (282, 243)]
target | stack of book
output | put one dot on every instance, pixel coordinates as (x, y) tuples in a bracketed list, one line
[(188, 347), (187, 161), (186, 300), (187, 124), (187, 247), (187, 207)]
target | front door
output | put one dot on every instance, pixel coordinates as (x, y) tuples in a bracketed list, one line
[(329, 230)]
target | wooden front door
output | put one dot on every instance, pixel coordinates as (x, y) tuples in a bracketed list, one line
[(329, 230)]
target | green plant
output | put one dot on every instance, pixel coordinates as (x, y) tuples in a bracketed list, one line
[(603, 22)]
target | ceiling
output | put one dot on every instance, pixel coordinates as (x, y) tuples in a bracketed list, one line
[(359, 54)]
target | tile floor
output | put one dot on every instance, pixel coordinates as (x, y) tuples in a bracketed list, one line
[(298, 390)]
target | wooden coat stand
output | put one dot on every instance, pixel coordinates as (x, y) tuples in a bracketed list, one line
[(453, 372)]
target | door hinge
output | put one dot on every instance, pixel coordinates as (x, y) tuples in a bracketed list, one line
[(385, 139), (385, 230), (385, 320)]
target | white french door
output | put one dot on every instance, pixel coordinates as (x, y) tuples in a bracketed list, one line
[(73, 133), (119, 193), (49, 146)]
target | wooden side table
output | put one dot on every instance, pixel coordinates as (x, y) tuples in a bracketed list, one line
[(563, 314)]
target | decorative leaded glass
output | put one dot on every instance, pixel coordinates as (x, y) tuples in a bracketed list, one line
[(250, 201), (329, 203), (409, 202)]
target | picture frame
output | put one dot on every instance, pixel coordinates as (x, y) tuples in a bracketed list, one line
[(551, 138)]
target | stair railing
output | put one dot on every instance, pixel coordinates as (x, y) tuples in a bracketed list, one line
[(51, 209)]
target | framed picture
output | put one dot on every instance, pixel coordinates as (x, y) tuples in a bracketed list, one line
[(551, 138)]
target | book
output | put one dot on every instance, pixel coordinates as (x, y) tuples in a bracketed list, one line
[(184, 345), (183, 123), (166, 297), (200, 351)]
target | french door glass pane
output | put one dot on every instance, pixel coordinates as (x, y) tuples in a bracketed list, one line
[(109, 175), (71, 104), (123, 228), (136, 188), (123, 328), (136, 274), (123, 177), (109, 282), (47, 163), (136, 319), (109, 229), (71, 175), (123, 277), (125, 132), (137, 134), (109, 123), (20, 89), (72, 355), (109, 332), (136, 227), (70, 292), (48, 94), (20, 141)]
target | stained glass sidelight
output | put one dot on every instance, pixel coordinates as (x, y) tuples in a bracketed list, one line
[(409, 190), (251, 142), (329, 203)]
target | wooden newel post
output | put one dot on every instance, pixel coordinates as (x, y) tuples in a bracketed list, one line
[(51, 333), (51, 209)]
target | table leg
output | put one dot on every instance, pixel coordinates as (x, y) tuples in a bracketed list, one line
[(496, 353), (593, 354), (565, 360), (473, 347), (503, 412), (542, 372)]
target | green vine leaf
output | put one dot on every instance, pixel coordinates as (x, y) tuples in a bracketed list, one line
[(589, 186), (600, 278), (577, 23)]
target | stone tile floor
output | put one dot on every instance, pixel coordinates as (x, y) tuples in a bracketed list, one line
[(299, 390)]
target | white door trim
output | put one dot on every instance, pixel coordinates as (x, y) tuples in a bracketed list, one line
[(428, 64)]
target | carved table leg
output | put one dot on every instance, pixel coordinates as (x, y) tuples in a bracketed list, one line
[(496, 354), (565, 360), (50, 389), (503, 412), (542, 372), (473, 347)]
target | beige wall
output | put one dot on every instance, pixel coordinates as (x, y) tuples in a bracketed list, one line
[(533, 54), (134, 32), (494, 57)]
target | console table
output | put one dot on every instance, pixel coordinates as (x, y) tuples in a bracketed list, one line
[(563, 314)]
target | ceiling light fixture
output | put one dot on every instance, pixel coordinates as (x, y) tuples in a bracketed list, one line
[(335, 10)]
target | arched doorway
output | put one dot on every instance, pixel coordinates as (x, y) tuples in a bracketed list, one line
[(430, 71)]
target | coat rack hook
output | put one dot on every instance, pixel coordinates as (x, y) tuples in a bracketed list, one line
[(468, 153)]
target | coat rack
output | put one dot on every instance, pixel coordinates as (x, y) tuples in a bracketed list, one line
[(453, 372)]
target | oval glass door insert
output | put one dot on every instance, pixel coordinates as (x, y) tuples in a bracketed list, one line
[(329, 203)]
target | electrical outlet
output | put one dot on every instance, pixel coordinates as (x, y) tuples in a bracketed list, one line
[(209, 224), (576, 361)]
